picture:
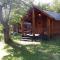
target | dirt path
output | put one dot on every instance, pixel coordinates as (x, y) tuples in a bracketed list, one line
[(28, 43), (2, 51)]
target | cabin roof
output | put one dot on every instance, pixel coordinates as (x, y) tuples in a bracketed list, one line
[(51, 14), (55, 15)]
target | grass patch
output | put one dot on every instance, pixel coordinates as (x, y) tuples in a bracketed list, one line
[(49, 50), (16, 37)]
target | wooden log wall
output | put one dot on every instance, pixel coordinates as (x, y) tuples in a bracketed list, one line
[(56, 27)]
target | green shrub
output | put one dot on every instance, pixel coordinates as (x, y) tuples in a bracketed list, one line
[(1, 28)]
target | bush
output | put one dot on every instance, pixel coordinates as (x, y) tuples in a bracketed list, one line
[(1, 28)]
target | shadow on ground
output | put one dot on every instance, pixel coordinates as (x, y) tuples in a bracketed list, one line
[(47, 50)]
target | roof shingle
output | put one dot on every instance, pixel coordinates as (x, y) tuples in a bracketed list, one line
[(55, 15)]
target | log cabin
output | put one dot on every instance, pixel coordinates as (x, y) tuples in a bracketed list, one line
[(38, 21)]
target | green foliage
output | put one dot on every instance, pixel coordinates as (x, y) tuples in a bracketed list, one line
[(55, 6), (16, 37), (15, 19), (44, 6), (1, 28), (17, 13), (1, 36), (1, 32)]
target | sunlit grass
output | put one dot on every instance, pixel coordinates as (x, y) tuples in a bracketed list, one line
[(47, 50)]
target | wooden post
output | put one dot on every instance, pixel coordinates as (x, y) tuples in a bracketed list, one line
[(22, 27), (33, 22), (48, 23), (52, 28)]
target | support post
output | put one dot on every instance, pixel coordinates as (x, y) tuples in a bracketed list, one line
[(33, 22), (22, 27), (48, 24), (52, 28)]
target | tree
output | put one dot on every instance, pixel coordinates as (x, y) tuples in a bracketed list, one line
[(9, 6), (5, 20), (55, 6)]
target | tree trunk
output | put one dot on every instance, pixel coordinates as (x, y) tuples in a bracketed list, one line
[(7, 38)]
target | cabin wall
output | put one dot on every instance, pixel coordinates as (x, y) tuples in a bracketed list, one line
[(41, 24), (47, 26), (56, 27), (38, 23), (38, 26)]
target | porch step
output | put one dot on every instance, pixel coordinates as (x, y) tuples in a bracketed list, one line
[(26, 39)]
